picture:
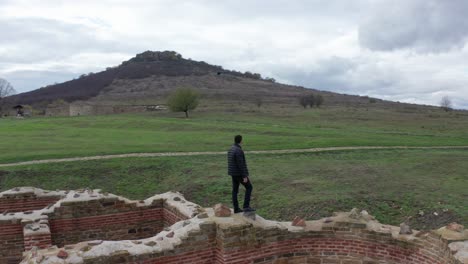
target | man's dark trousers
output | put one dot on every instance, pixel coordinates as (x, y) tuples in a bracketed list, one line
[(235, 190)]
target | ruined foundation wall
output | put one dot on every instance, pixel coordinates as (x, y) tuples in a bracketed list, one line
[(41, 219), (107, 219), (102, 228), (11, 202), (340, 243)]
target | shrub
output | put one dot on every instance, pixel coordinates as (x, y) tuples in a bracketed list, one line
[(183, 100)]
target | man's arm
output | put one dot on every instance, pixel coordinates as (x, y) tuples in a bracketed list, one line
[(242, 165)]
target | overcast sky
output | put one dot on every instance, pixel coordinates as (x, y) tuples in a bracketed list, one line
[(410, 50)]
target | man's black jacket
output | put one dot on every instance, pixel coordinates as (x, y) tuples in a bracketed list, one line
[(237, 166)]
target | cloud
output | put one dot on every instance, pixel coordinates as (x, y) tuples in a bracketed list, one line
[(29, 80), (408, 50), (419, 25), (28, 40)]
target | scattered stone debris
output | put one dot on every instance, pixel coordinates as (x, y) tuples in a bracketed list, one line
[(455, 227), (222, 210), (297, 221), (354, 214), (405, 229), (62, 254), (366, 216)]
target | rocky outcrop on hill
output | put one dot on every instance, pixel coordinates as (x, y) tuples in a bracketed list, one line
[(150, 56)]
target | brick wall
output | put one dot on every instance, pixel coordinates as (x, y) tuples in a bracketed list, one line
[(205, 238), (197, 248), (11, 242), (72, 217), (25, 202), (172, 215), (119, 226), (343, 243), (40, 241), (105, 219)]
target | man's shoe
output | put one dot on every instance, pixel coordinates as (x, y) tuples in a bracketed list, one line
[(249, 209), (238, 210)]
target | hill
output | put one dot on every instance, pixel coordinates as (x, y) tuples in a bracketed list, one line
[(150, 76)]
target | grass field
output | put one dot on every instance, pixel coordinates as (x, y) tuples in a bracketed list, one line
[(390, 184), (264, 129)]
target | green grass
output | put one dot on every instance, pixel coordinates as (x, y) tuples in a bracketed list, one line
[(391, 184), (263, 129)]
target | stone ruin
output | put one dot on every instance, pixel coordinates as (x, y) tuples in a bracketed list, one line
[(91, 226)]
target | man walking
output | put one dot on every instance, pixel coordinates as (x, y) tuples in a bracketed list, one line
[(237, 169)]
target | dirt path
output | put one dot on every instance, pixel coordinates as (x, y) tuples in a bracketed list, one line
[(180, 154)]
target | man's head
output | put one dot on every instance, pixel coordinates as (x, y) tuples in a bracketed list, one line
[(238, 139)]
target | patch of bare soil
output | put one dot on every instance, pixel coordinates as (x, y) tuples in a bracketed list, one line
[(433, 220)]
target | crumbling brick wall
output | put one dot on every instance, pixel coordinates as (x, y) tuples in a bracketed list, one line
[(168, 229), (240, 240), (40, 219), (11, 241), (25, 201), (341, 242), (108, 219)]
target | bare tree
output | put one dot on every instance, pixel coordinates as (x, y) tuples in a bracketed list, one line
[(319, 100), (6, 89), (311, 100), (446, 103), (304, 101)]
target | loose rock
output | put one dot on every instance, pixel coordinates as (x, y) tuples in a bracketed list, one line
[(222, 210), (354, 214), (455, 227), (405, 229), (297, 221), (62, 254)]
